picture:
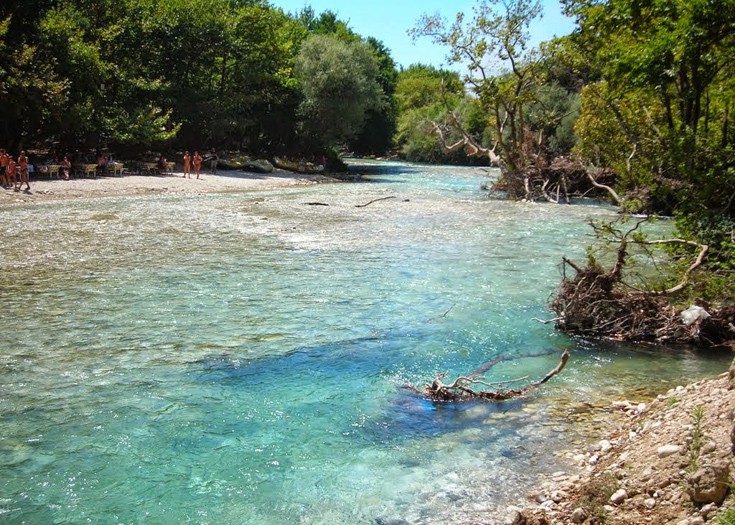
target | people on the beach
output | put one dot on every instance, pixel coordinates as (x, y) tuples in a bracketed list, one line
[(197, 163), (23, 168), (187, 165)]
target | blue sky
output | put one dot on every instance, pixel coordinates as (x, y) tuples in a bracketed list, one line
[(389, 21)]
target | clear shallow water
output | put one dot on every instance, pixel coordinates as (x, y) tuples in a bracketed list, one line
[(239, 358)]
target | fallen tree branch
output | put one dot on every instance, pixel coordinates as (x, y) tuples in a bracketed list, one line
[(608, 189), (459, 390), (374, 200), (703, 249)]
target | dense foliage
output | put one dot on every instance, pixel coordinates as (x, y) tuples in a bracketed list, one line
[(138, 74), (659, 110)]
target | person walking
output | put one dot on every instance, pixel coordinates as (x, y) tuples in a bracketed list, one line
[(23, 168), (197, 163), (187, 165)]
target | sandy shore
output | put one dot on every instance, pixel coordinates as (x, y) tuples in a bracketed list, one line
[(222, 182)]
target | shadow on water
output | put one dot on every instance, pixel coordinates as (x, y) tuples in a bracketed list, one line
[(411, 416), (356, 372)]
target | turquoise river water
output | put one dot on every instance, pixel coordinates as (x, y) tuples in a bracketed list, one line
[(239, 358)]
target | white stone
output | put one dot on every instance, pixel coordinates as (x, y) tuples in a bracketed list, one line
[(650, 503), (668, 450), (619, 496)]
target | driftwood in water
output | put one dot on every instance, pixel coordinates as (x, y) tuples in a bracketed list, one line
[(374, 200), (460, 389)]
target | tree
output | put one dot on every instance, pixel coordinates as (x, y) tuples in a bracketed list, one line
[(339, 83), (424, 95), (98, 49), (32, 94), (376, 136), (496, 40), (657, 109), (660, 111)]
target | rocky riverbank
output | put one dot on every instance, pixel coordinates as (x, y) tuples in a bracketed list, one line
[(667, 462)]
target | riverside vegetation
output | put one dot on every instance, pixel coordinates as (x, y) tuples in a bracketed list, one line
[(634, 106)]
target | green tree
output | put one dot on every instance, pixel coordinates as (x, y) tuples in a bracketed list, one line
[(98, 48), (495, 41), (660, 113), (339, 83), (425, 95), (32, 95), (376, 136)]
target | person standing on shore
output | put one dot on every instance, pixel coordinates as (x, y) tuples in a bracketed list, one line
[(187, 165), (23, 167), (197, 163), (10, 173), (4, 178)]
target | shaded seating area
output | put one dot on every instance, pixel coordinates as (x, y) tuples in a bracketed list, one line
[(115, 169), (86, 170)]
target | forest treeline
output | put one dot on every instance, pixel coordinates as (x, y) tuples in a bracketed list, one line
[(635, 103)]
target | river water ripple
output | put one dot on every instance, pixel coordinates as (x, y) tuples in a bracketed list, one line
[(240, 358)]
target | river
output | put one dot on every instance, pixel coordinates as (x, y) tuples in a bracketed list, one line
[(240, 358)]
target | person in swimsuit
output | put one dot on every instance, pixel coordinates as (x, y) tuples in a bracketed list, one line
[(197, 163), (11, 173), (23, 168), (187, 165), (4, 179), (66, 167)]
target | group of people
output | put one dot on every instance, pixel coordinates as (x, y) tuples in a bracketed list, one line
[(197, 160), (14, 173)]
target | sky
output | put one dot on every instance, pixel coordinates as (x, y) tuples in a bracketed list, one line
[(390, 20)]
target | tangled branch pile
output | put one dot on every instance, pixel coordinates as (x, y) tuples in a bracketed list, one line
[(592, 304), (597, 302), (558, 182)]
